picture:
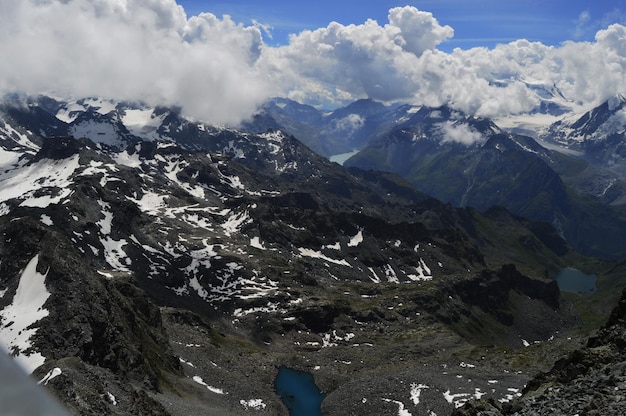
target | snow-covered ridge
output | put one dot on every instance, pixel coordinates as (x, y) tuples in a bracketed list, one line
[(605, 120), (39, 184)]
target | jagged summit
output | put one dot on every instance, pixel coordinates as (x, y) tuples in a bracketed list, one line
[(601, 118), (599, 135), (616, 102)]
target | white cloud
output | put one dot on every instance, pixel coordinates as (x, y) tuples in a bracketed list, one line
[(349, 123), (367, 60), (582, 24), (460, 133), (219, 70), (416, 31), (140, 49)]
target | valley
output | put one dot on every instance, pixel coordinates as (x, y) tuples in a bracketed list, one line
[(185, 264)]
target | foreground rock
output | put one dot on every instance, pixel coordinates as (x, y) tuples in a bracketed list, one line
[(590, 381)]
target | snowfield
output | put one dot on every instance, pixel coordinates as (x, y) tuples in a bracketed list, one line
[(18, 319)]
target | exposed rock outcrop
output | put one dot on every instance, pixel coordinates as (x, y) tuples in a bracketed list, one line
[(589, 381)]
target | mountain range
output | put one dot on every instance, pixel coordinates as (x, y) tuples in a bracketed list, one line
[(154, 264), (568, 174)]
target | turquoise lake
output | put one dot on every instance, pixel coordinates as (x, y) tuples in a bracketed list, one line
[(575, 281), (298, 392)]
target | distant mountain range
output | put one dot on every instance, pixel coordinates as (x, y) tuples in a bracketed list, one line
[(570, 174)]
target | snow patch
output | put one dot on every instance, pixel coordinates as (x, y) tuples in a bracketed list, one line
[(416, 392), (114, 253), (390, 273), (402, 411), (423, 272), (126, 159), (105, 223), (56, 371), (256, 243), (143, 123), (40, 184), (9, 159), (457, 399), (254, 404), (18, 318), (19, 138), (235, 222), (336, 246), (374, 276), (46, 220), (333, 339), (357, 239), (215, 390), (98, 132), (105, 274), (69, 113), (307, 252), (111, 398), (173, 168)]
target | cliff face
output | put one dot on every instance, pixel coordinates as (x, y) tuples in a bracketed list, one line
[(590, 381)]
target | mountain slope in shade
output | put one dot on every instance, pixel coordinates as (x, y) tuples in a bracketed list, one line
[(334, 132), (468, 161)]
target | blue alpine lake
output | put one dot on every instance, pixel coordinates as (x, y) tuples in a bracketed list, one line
[(298, 392), (573, 280)]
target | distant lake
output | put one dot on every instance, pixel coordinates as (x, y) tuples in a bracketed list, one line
[(573, 280), (298, 392), (342, 157)]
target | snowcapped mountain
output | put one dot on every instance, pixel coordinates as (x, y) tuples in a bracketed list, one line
[(551, 99), (155, 264), (599, 134)]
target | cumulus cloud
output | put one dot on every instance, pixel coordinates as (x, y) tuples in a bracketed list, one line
[(399, 61), (460, 133), (219, 70), (349, 123), (367, 60), (134, 50)]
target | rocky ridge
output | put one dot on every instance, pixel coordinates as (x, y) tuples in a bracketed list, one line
[(179, 274)]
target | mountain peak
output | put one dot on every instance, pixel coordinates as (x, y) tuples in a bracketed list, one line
[(616, 102)]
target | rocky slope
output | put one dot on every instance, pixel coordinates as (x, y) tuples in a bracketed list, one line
[(176, 274), (590, 380)]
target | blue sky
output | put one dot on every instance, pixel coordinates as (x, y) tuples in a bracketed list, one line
[(476, 23)]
